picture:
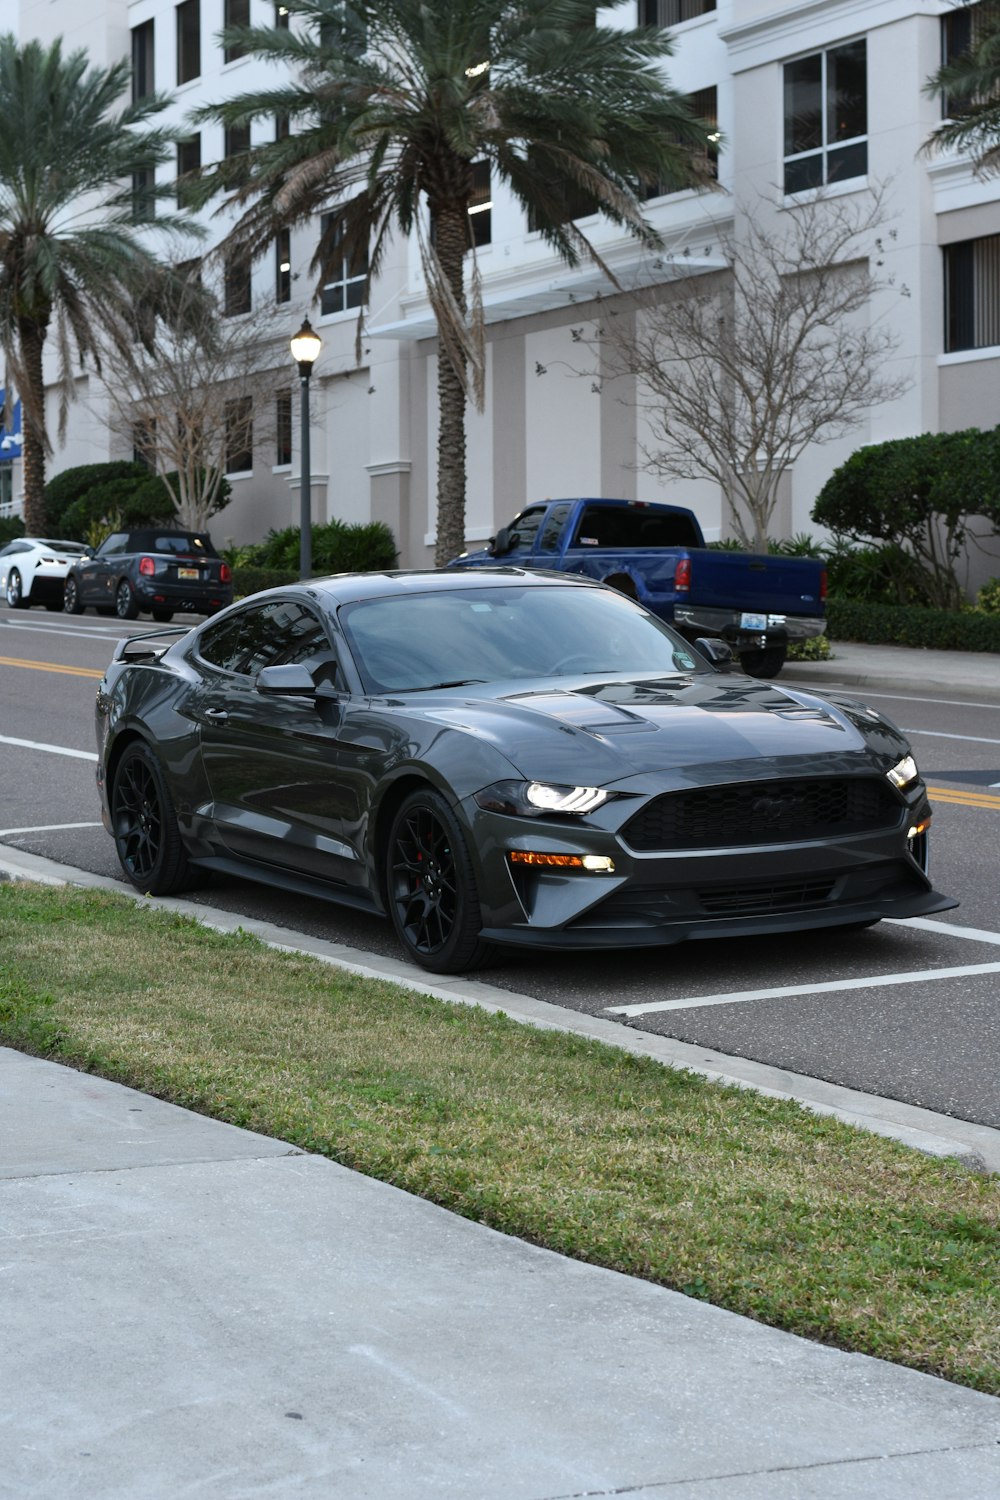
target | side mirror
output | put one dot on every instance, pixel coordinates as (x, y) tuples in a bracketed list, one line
[(501, 542), (91, 551), (289, 681), (719, 653)]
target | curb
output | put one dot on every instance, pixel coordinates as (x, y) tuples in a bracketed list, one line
[(975, 1146)]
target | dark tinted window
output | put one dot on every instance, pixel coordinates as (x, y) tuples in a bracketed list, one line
[(524, 528), (13, 547), (76, 547), (116, 542), (179, 543), (633, 526), (554, 523), (265, 635)]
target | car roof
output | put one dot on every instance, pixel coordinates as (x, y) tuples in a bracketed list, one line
[(348, 588)]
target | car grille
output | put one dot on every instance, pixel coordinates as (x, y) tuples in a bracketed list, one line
[(657, 906), (762, 812), (740, 901)]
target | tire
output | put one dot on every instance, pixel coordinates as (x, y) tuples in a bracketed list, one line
[(431, 889), (144, 824), (162, 616), (15, 591), (71, 598), (765, 662), (126, 607)]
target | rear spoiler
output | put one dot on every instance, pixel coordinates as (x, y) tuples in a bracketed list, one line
[(146, 653)]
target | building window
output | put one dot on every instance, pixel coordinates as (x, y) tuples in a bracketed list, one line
[(143, 61), (672, 12), (144, 443), (704, 105), (564, 199), (239, 435), (343, 279), (826, 117), (283, 429), (961, 30), (283, 266), (188, 166), (481, 205), (144, 195), (972, 294), (282, 127), (237, 13), (188, 41), (237, 144), (236, 286)]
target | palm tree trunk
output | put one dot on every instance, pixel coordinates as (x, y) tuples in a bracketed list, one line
[(33, 417), (452, 237)]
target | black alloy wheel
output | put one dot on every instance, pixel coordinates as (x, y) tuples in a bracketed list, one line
[(15, 592), (71, 598), (765, 662), (126, 607), (144, 823), (432, 893)]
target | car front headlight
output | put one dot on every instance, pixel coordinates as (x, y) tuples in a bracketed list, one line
[(533, 799), (904, 773)]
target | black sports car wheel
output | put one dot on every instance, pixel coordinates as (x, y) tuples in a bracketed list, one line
[(145, 825), (71, 598), (432, 892), (766, 662), (125, 605), (15, 593)]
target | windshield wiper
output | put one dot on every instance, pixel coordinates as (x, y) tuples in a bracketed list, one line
[(432, 687)]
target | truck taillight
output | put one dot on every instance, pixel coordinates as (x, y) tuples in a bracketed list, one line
[(822, 586), (682, 576), (147, 567), (226, 573)]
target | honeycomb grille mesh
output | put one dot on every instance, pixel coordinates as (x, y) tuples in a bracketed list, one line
[(769, 812)]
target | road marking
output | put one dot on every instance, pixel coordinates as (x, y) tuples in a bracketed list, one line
[(964, 799), (46, 828), (99, 633), (940, 734), (789, 991), (47, 666), (52, 749), (946, 929), (945, 702)]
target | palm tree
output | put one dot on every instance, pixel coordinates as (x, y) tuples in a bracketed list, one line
[(71, 251), (969, 85), (390, 104)]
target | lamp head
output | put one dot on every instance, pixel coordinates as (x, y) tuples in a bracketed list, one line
[(305, 346)]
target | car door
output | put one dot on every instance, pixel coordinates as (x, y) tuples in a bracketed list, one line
[(289, 783), (97, 574)]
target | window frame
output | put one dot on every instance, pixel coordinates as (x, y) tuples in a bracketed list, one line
[(345, 283), (829, 143), (238, 424), (188, 36), (143, 60)]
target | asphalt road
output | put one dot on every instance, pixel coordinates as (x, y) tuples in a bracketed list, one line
[(909, 1011)]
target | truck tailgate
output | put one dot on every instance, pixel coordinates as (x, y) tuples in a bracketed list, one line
[(750, 581)]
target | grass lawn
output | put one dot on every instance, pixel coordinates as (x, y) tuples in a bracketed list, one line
[(751, 1203)]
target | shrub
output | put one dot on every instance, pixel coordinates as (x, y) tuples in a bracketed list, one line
[(337, 547), (250, 580), (815, 648), (10, 527), (80, 501), (988, 598), (910, 625)]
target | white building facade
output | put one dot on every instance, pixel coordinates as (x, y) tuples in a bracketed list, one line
[(551, 425)]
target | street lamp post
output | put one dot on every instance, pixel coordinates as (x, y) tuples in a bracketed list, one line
[(305, 346)]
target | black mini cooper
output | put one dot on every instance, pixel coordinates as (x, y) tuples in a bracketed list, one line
[(151, 571)]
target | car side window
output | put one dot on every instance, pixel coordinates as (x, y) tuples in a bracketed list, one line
[(113, 543), (552, 530), (524, 528), (13, 547), (277, 633)]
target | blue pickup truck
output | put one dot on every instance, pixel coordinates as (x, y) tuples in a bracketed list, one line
[(757, 603)]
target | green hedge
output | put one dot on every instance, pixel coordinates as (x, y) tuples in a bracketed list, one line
[(251, 580), (912, 625)]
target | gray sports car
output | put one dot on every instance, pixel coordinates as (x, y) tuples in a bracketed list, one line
[(503, 757)]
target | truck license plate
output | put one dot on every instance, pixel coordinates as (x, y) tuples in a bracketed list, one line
[(753, 622)]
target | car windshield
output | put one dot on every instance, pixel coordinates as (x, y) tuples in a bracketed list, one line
[(458, 636), (77, 548), (181, 543)]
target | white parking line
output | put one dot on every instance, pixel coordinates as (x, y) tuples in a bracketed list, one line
[(946, 929), (46, 828), (50, 749), (940, 734), (99, 632), (789, 991)]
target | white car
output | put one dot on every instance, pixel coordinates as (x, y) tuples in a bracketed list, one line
[(33, 570)]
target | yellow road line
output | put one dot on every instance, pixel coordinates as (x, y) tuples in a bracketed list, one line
[(965, 799), (48, 666)]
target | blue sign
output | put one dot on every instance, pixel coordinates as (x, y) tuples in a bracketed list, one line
[(10, 429)]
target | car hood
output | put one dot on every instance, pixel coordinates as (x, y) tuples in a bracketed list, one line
[(599, 732)]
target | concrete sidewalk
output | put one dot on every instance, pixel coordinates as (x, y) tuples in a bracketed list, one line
[(965, 676), (191, 1310)]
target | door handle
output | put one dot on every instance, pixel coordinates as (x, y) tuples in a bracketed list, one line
[(217, 715)]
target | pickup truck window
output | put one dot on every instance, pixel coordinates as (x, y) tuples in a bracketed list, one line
[(633, 526), (552, 530), (524, 528)]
